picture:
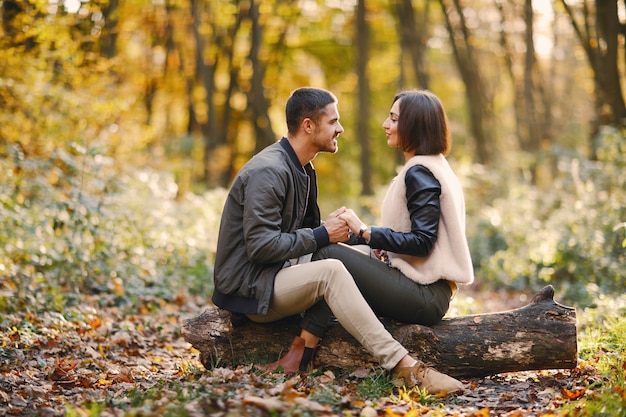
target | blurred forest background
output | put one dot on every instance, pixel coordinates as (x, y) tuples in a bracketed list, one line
[(122, 124)]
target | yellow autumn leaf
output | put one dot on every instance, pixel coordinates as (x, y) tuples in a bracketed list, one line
[(95, 323), (573, 394), (118, 286), (483, 412), (412, 413)]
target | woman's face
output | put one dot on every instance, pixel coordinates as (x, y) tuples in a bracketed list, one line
[(391, 125)]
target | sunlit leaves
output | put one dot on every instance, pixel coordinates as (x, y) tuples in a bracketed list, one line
[(566, 232), (72, 224)]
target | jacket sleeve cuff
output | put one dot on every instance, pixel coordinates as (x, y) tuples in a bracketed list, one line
[(321, 236), (373, 231)]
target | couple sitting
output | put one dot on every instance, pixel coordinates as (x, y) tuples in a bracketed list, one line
[(275, 258)]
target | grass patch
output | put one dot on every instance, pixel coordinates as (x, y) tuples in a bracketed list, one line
[(602, 346), (376, 386)]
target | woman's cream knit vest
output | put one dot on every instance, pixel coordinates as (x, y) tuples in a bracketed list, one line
[(450, 257)]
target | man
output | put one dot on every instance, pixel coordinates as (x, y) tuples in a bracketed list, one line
[(271, 218), (269, 230), (271, 214)]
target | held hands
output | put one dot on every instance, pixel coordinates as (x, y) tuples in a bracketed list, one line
[(340, 222), (353, 221), (337, 227)]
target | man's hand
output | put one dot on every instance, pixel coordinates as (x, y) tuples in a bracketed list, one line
[(337, 228)]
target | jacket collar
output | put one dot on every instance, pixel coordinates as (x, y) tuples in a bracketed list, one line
[(292, 154)]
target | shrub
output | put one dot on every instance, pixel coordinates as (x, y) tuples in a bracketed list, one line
[(571, 232), (74, 224)]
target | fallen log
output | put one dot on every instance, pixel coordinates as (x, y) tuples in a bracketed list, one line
[(540, 335)]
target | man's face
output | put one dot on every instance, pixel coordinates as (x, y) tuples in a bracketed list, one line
[(327, 129)]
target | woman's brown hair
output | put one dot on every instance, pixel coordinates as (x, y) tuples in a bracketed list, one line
[(422, 123)]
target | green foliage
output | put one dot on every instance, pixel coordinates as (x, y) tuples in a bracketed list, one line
[(325, 394), (603, 346), (56, 87), (569, 232), (93, 409), (73, 224), (375, 386)]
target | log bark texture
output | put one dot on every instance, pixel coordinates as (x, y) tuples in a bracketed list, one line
[(540, 335)]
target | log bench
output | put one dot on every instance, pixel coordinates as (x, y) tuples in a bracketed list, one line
[(539, 335)]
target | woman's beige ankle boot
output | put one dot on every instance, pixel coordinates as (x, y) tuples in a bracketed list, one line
[(426, 378)]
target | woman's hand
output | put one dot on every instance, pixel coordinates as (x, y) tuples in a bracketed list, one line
[(336, 213), (353, 221)]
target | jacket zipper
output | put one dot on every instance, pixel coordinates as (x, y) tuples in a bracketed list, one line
[(306, 200)]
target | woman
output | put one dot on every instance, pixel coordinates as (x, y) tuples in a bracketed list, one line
[(412, 220), (422, 238), (421, 241)]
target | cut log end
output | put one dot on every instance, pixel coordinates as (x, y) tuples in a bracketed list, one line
[(545, 294)]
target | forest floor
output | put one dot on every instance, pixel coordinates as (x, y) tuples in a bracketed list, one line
[(105, 357)]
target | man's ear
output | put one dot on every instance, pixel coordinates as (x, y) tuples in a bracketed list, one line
[(308, 125)]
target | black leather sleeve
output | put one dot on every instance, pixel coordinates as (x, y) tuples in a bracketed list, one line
[(422, 193)]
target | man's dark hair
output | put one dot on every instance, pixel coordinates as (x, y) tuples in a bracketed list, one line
[(306, 102)]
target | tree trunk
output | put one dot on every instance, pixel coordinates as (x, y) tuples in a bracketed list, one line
[(213, 118), (414, 38), (363, 109), (108, 39), (600, 39), (479, 97), (540, 335), (258, 105)]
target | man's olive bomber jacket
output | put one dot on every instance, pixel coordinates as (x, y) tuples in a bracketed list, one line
[(271, 215)]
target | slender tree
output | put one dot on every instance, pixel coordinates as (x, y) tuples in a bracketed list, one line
[(208, 53), (362, 42), (108, 38), (414, 36), (479, 98), (528, 86), (258, 104), (599, 31)]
